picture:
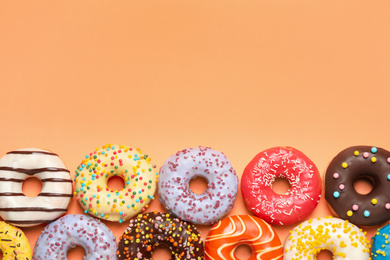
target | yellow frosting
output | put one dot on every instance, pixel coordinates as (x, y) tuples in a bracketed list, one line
[(13, 243)]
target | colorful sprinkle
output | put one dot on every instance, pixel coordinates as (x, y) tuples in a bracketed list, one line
[(373, 159), (365, 155), (366, 213), (356, 153), (344, 165), (152, 229), (374, 149), (341, 186), (336, 194), (113, 160), (336, 175), (355, 207), (374, 201)]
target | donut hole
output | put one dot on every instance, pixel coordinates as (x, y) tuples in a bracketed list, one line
[(76, 253), (162, 253), (243, 252), (281, 185), (364, 185), (325, 255), (116, 183), (32, 186), (198, 185)]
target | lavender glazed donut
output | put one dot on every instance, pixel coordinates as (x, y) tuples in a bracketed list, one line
[(176, 195), (72, 230)]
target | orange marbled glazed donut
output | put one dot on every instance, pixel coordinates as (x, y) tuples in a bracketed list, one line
[(233, 231)]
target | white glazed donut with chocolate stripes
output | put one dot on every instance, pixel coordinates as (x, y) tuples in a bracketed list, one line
[(53, 200)]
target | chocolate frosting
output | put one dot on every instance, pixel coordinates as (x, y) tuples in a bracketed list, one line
[(150, 230), (345, 169)]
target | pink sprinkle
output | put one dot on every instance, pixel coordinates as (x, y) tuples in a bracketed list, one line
[(336, 175), (365, 155), (341, 186), (387, 205), (388, 160), (356, 207)]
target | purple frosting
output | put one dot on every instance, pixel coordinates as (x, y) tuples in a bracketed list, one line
[(71, 230), (176, 195)]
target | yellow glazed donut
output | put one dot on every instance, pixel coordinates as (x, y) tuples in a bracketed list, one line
[(342, 238), (13, 243), (132, 166)]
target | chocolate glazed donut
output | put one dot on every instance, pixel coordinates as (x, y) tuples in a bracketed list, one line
[(150, 230), (345, 169)]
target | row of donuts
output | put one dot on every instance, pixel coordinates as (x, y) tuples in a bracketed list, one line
[(133, 166), (152, 229), (141, 179)]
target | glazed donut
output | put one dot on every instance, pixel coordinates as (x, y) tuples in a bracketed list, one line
[(233, 231), (115, 160), (380, 244), (281, 162), (72, 230), (176, 195), (53, 200), (344, 170), (13, 243), (152, 229), (343, 239)]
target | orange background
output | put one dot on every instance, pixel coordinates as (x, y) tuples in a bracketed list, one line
[(238, 76)]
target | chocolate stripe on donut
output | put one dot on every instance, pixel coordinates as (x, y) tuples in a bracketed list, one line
[(43, 194), (32, 152), (56, 180), (47, 194), (34, 209), (3, 194), (42, 180), (33, 171), (11, 179)]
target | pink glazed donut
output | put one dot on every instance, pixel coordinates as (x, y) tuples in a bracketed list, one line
[(281, 162)]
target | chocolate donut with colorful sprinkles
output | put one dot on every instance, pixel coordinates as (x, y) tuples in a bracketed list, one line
[(349, 166), (148, 231)]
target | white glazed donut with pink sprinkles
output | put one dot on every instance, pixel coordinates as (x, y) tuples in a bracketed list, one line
[(71, 230), (176, 195)]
